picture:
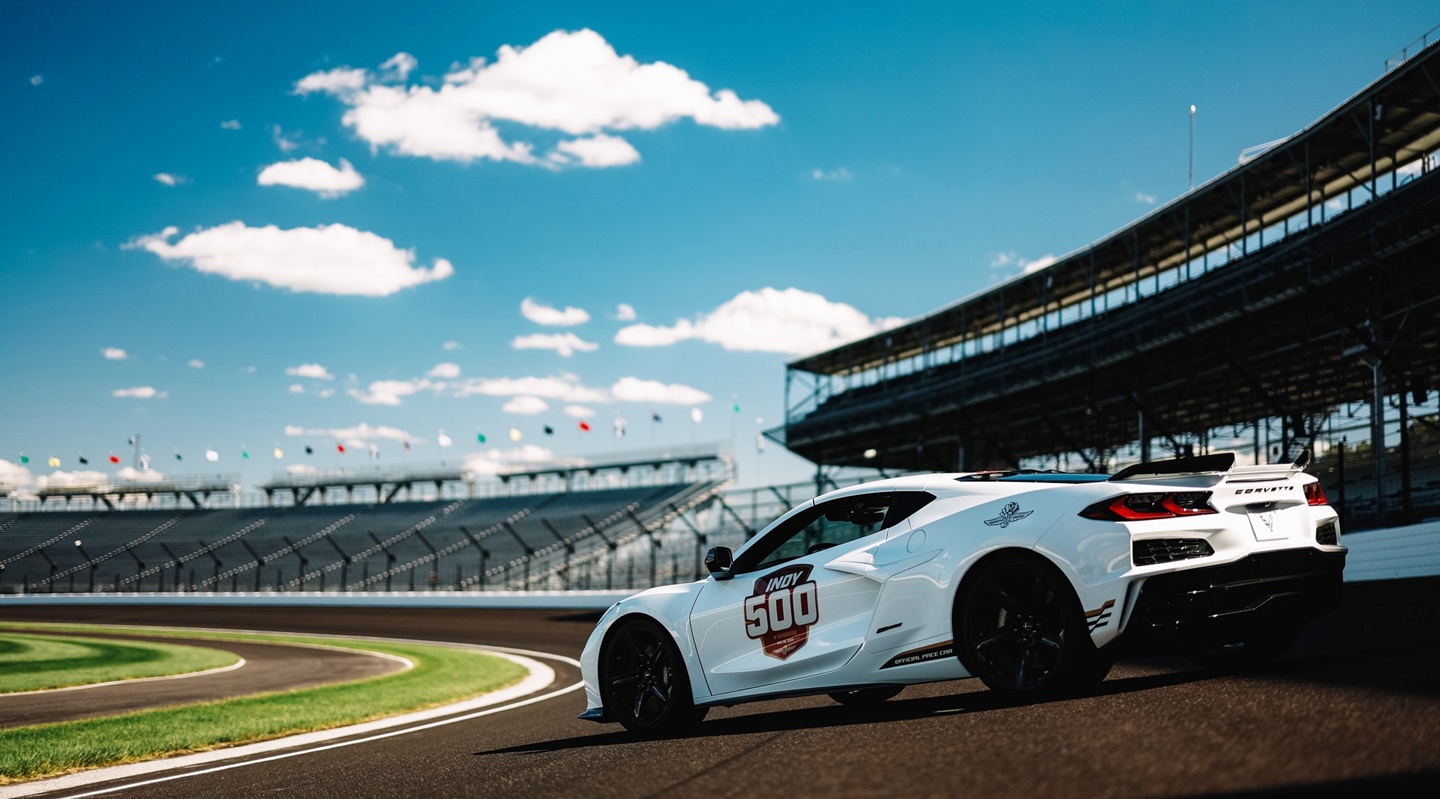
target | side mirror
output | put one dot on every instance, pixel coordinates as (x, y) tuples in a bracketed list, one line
[(718, 561)]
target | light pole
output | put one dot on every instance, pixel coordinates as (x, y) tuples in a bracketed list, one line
[(1192, 147), (93, 565)]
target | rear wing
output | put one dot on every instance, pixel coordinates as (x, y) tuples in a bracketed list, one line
[(1220, 463)]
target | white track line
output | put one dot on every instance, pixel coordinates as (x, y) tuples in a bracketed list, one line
[(539, 676)]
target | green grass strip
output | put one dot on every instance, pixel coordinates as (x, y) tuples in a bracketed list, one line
[(38, 662), (441, 675)]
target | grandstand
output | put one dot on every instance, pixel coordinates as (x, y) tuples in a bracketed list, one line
[(533, 529), (1289, 302)]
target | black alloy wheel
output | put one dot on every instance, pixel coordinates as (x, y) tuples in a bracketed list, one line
[(1020, 629), (643, 681)]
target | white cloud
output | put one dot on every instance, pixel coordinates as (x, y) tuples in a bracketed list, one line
[(571, 82), (85, 478), (625, 312), (283, 141), (391, 392), (339, 81), (565, 388), (196, 363), (230, 124), (1142, 197), (633, 389), (1002, 262), (837, 175), (327, 393), (579, 411), (36, 80), (526, 406), (546, 315), (139, 392), (14, 475), (169, 179), (296, 388), (597, 151), (450, 346), (133, 475), (566, 344), (311, 370), (791, 321), (398, 67), (495, 461), (357, 436), (1038, 264), (114, 354), (447, 371), (314, 175), (330, 259)]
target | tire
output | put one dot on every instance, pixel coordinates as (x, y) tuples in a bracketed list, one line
[(1019, 627), (1254, 650), (867, 697), (643, 681)]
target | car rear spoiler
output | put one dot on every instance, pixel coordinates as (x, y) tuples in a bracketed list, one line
[(1219, 463)]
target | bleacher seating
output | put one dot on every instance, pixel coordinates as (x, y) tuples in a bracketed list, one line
[(422, 545)]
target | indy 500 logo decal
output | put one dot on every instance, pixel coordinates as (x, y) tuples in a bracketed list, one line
[(781, 610)]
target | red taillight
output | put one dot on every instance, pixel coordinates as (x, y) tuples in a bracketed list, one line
[(1315, 495), (1145, 507)]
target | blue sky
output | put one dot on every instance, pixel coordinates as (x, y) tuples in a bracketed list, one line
[(755, 183)]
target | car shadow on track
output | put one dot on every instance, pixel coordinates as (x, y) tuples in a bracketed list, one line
[(840, 716)]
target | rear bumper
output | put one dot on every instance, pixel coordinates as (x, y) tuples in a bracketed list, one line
[(1215, 605)]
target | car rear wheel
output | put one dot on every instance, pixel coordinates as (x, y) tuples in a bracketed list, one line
[(1020, 629), (643, 681), (867, 697)]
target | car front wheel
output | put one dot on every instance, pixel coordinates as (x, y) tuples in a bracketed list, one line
[(643, 680)]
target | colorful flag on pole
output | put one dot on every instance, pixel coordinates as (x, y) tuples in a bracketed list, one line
[(210, 455), (444, 440), (279, 453), (515, 434), (340, 448), (84, 461), (584, 426), (24, 458), (549, 431), (244, 453), (177, 454), (620, 425), (309, 450), (480, 437), (54, 462), (114, 458), (656, 417), (696, 415), (374, 452)]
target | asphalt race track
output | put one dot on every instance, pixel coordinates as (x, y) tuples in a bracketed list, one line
[(1354, 707), (268, 667)]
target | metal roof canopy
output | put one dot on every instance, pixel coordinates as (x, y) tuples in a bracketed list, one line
[(1390, 123)]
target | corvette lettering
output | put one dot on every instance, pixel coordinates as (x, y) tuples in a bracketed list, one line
[(1264, 490), (780, 612)]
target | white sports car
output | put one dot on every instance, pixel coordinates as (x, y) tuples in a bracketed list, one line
[(1031, 581)]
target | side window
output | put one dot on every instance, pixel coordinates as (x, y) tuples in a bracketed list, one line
[(838, 521)]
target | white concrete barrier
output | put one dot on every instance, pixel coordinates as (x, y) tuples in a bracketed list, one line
[(1393, 554), (538, 600)]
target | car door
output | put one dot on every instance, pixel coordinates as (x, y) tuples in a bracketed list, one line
[(785, 615)]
